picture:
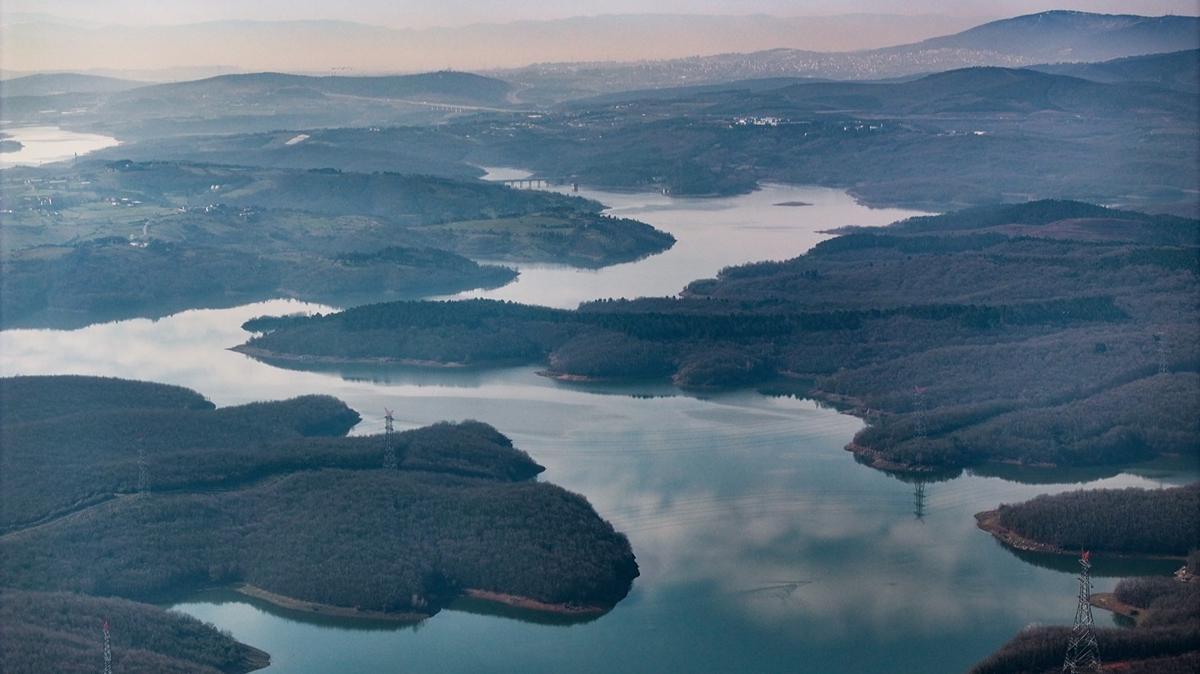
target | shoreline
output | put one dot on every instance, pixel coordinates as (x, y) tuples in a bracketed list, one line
[(517, 601), (1108, 601), (292, 604), (255, 352), (333, 611), (874, 458), (989, 521)]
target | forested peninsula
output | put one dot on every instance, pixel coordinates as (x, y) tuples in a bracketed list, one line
[(143, 491), (1045, 333), (1150, 522), (107, 240), (63, 633), (1112, 522)]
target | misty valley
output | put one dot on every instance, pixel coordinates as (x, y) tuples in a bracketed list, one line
[(876, 360)]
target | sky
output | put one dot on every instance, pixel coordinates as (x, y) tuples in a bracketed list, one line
[(190, 38), (424, 13)]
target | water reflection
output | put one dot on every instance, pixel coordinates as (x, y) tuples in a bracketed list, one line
[(759, 538), (711, 234)]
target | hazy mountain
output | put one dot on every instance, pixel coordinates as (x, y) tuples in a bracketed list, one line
[(321, 46), (1020, 41), (50, 84), (267, 101), (442, 87), (140, 75), (1177, 70), (1073, 36)]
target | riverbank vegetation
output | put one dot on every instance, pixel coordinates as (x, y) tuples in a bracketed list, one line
[(1047, 333), (144, 502)]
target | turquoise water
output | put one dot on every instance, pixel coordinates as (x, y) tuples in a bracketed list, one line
[(763, 545)]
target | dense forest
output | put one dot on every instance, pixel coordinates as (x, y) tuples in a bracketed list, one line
[(1165, 641), (49, 467), (1047, 333), (1128, 521), (106, 240), (140, 496), (63, 633)]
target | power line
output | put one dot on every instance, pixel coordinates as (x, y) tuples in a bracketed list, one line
[(1083, 654)]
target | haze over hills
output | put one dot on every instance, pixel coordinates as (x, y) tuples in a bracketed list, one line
[(362, 48), (49, 84), (261, 102), (1047, 37), (1175, 70)]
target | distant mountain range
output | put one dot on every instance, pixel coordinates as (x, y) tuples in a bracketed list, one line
[(1142, 50), (50, 84), (346, 47), (250, 102), (1048, 37)]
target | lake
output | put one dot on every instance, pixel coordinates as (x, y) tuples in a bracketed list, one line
[(45, 144), (762, 544), (710, 234)]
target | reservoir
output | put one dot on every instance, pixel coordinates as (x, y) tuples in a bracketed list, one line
[(45, 144), (759, 538)]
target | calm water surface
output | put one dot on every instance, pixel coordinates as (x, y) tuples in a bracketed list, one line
[(763, 545), (710, 234), (45, 144)]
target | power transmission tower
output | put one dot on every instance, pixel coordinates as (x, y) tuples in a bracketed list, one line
[(919, 500), (107, 650), (143, 483), (390, 460), (1160, 347), (920, 426), (1083, 654)]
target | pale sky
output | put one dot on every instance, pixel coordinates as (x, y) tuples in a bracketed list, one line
[(152, 36), (425, 13)]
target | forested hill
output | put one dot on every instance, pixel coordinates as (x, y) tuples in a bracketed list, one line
[(63, 633), (136, 500), (109, 240), (251, 102), (949, 138), (1112, 522), (444, 87), (1048, 333), (1175, 70), (1120, 521), (942, 141)]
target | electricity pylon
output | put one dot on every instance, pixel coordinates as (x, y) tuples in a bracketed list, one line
[(390, 460), (107, 650), (1083, 654)]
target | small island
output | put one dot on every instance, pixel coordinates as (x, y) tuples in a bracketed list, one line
[(118, 488)]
